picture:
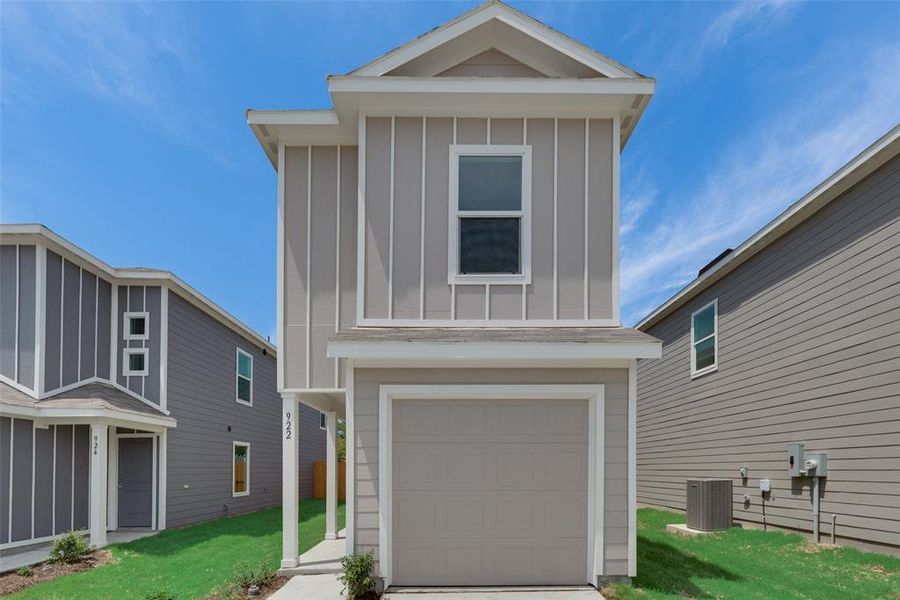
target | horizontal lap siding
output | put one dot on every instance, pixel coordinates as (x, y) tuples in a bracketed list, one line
[(809, 351), (395, 287), (616, 481), (201, 397)]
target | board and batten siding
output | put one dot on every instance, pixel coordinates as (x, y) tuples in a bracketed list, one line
[(140, 298), (406, 198), (18, 264), (57, 458), (809, 351), (202, 355), (365, 404), (77, 324)]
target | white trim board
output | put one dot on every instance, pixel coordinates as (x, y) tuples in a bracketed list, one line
[(594, 393)]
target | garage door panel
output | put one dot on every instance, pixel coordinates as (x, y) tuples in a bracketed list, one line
[(500, 496)]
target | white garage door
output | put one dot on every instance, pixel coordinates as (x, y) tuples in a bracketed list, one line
[(490, 492)]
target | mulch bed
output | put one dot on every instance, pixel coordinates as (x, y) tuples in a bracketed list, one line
[(13, 582)]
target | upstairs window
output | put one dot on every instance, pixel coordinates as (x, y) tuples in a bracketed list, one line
[(240, 469), (705, 339), (490, 201), (136, 326), (244, 377), (134, 362)]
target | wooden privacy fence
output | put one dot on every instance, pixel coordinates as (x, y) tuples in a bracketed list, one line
[(319, 479)]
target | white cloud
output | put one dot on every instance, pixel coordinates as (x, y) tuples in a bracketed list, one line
[(741, 18), (758, 177)]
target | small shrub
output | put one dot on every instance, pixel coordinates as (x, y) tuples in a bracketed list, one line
[(160, 595), (253, 573), (357, 576), (25, 572), (69, 549)]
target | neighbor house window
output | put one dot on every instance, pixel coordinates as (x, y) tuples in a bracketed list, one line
[(136, 326), (134, 361), (323, 421), (705, 339), (490, 199), (244, 377), (240, 469)]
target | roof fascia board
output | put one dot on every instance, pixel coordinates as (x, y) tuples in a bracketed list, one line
[(38, 412), (451, 351), (132, 276), (480, 15), (490, 85), (293, 117), (865, 163)]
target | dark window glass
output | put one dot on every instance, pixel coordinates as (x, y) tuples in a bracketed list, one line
[(135, 362), (243, 391), (137, 325), (490, 183), (489, 245), (704, 323), (706, 353)]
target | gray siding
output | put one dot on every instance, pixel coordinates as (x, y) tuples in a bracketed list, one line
[(201, 396), (365, 405), (809, 331), (33, 451), (139, 298), (77, 318), (17, 313)]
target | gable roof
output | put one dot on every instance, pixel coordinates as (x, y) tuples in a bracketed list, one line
[(861, 166), (494, 10), (34, 232)]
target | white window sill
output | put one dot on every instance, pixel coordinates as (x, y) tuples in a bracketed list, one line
[(704, 371), (492, 279), (239, 494), (244, 402)]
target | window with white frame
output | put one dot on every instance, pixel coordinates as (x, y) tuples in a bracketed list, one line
[(705, 339), (323, 421), (244, 375), (134, 361), (490, 206), (240, 469), (136, 326)]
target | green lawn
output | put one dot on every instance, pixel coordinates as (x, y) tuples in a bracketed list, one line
[(751, 564), (189, 562)]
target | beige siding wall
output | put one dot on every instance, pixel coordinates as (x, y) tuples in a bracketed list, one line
[(366, 388), (809, 333), (396, 284), (319, 257)]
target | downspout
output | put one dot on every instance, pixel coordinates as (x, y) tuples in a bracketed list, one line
[(816, 509)]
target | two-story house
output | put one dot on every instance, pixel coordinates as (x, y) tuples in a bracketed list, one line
[(448, 279), (127, 399)]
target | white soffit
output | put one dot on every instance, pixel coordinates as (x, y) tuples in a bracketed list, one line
[(487, 353)]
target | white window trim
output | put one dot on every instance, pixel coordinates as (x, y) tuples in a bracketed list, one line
[(126, 318), (237, 374), (454, 277), (323, 418), (234, 445), (715, 337), (126, 352)]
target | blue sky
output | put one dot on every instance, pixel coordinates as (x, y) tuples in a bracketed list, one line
[(122, 124)]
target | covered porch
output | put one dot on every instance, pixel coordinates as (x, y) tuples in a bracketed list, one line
[(326, 556)]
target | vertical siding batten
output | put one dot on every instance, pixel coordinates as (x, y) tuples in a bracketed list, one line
[(391, 223), (337, 262), (555, 219), (33, 456), (361, 220), (615, 220), (587, 153), (279, 283), (308, 265), (525, 285), (15, 372), (422, 225), (12, 429), (53, 493), (453, 285)]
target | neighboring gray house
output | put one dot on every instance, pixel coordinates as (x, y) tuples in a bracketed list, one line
[(127, 399), (448, 278), (796, 338)]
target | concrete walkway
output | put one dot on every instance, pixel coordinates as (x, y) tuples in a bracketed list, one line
[(310, 587), (493, 593), (26, 556), (323, 558)]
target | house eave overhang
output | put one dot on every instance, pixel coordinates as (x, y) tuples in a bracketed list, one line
[(861, 166), (491, 353), (84, 415), (622, 98)]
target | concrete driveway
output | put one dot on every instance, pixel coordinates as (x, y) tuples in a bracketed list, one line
[(493, 593)]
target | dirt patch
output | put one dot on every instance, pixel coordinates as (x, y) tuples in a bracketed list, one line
[(813, 548), (273, 587), (369, 596), (13, 582)]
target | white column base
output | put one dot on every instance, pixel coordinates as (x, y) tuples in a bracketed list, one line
[(331, 476), (290, 484)]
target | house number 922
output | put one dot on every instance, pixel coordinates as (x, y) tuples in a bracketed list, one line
[(287, 426)]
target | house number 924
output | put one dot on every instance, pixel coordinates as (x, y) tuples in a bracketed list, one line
[(287, 426), (96, 443)]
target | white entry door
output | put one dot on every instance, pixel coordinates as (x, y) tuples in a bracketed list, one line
[(489, 492)]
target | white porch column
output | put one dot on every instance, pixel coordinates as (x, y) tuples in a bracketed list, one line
[(331, 476), (98, 490), (289, 483)]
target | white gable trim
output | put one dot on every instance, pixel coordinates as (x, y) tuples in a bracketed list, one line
[(507, 15)]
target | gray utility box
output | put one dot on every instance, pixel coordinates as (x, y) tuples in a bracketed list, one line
[(709, 504)]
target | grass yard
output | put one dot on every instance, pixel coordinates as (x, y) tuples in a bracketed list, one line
[(751, 564), (189, 562)]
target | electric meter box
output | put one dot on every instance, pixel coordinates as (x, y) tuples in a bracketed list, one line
[(795, 460), (821, 460)]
